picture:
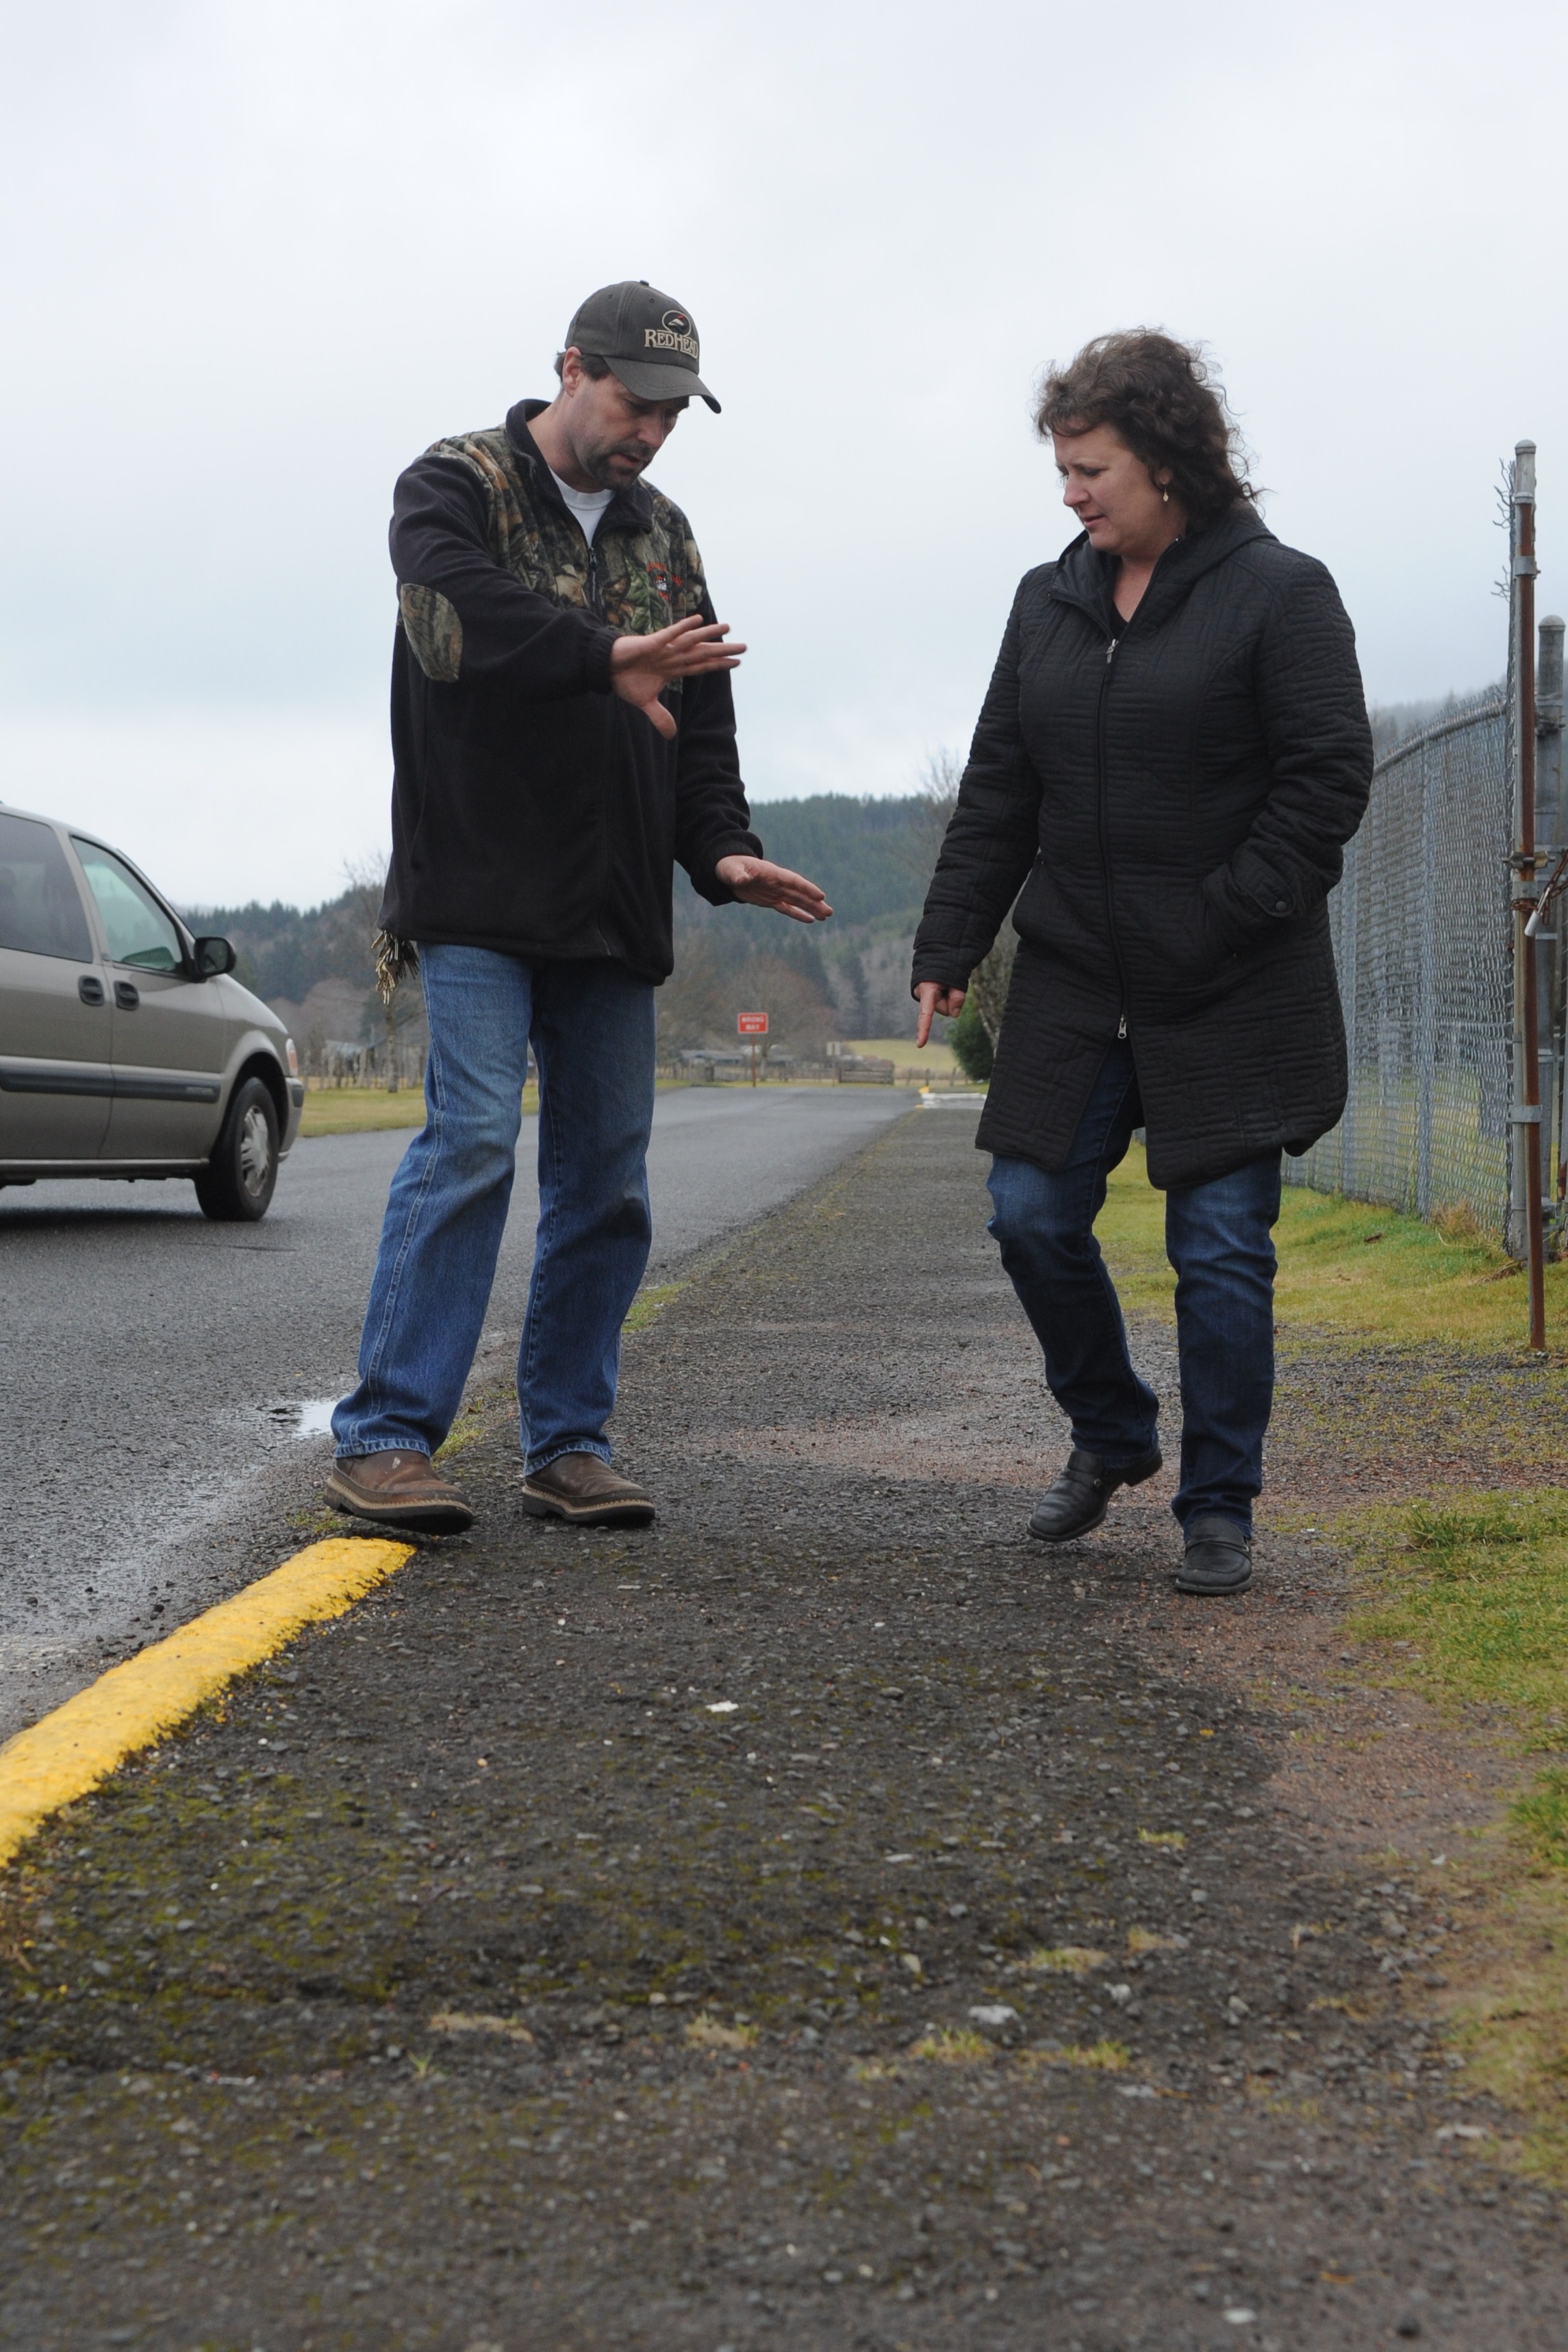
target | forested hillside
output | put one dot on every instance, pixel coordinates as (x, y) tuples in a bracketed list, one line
[(850, 978)]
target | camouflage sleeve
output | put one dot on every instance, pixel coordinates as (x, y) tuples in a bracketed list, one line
[(466, 616), (431, 624)]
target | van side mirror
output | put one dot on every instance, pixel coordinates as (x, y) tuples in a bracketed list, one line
[(210, 957)]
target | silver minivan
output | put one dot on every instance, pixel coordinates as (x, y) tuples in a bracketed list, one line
[(126, 1048)]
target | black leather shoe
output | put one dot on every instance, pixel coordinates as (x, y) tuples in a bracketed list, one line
[(1218, 1558), (1081, 1494)]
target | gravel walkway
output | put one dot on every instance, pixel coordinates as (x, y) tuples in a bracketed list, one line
[(820, 1921)]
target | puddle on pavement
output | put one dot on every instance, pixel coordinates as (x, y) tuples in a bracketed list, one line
[(310, 1418)]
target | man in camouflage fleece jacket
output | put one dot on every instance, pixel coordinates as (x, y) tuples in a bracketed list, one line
[(563, 732)]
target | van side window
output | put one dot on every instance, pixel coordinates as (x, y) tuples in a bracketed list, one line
[(138, 929), (40, 909)]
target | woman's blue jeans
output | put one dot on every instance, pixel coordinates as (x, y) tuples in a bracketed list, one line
[(1219, 1237), (591, 1026)]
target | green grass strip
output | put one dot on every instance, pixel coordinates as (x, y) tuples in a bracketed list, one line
[(1351, 1267)]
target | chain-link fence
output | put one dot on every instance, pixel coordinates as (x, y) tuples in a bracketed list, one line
[(1422, 935)]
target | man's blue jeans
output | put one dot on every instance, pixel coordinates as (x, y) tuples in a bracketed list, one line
[(591, 1025), (1217, 1238)]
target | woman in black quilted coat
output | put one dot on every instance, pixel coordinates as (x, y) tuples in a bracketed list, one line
[(1173, 750)]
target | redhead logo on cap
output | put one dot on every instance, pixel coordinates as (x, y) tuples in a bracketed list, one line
[(675, 335)]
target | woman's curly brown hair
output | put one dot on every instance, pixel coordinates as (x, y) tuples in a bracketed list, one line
[(1161, 398)]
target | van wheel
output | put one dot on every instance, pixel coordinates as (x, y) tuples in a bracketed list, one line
[(237, 1183)]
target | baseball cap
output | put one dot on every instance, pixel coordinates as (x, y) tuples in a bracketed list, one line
[(647, 337)]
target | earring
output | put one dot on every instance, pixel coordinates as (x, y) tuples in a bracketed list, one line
[(1165, 497)]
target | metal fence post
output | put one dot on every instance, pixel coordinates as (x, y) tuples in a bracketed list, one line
[(1525, 1205), (1425, 1040)]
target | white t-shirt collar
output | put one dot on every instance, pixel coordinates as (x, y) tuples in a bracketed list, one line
[(586, 504)]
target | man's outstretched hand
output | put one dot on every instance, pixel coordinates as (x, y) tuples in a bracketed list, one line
[(934, 998), (641, 668), (762, 884)]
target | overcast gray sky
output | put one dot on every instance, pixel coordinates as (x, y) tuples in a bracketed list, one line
[(257, 255)]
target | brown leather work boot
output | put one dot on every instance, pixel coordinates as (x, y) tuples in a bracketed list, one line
[(585, 1490), (398, 1490)]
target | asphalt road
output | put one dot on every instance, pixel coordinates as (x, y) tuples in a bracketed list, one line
[(157, 1368)]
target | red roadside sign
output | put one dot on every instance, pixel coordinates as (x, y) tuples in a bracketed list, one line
[(751, 1024)]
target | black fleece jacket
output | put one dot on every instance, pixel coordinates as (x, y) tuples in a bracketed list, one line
[(534, 811), (1172, 794)]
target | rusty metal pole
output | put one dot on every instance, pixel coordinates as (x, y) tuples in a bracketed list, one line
[(1526, 1108)]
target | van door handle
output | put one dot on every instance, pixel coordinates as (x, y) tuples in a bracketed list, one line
[(89, 988), (126, 995)]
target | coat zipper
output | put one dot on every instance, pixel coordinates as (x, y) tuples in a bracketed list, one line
[(1100, 827)]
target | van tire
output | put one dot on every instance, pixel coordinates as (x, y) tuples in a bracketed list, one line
[(236, 1185)]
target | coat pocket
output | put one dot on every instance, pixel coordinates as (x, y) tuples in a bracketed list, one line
[(1182, 940)]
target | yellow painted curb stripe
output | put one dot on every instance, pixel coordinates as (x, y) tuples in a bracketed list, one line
[(81, 1743)]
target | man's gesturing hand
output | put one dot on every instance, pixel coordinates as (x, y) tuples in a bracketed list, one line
[(639, 667), (762, 884), (934, 998)]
